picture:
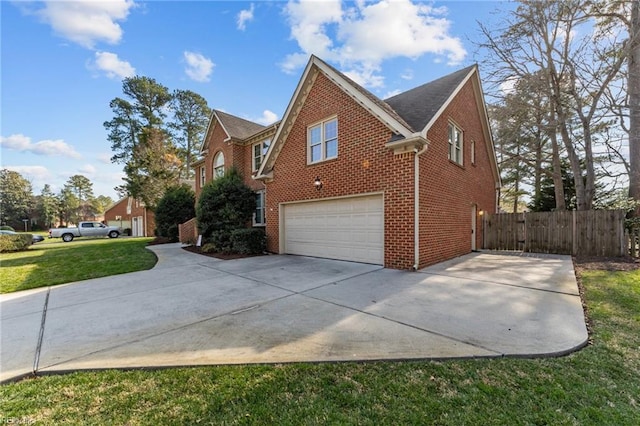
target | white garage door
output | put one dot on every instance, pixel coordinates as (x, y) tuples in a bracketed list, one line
[(345, 229)]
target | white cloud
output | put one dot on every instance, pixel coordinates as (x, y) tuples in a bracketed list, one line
[(87, 22), (48, 148), (366, 76), (37, 175), (104, 158), (88, 170), (245, 16), (362, 35), (198, 67), (508, 86), (407, 74), (268, 117), (309, 22), (17, 142), (113, 66), (392, 94)]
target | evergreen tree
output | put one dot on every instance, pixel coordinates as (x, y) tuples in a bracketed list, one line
[(175, 207), (15, 198)]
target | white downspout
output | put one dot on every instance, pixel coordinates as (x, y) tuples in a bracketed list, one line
[(416, 206)]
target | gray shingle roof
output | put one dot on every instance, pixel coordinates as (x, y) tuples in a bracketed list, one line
[(419, 105), (237, 127), (370, 96)]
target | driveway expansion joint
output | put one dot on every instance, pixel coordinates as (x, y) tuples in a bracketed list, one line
[(36, 357)]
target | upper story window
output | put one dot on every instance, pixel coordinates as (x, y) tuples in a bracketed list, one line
[(455, 144), (218, 165), (202, 176), (259, 151), (323, 141)]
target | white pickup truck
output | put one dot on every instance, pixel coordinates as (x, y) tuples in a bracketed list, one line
[(85, 229)]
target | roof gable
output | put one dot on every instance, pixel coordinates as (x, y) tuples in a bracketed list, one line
[(236, 127), (409, 115), (366, 99), (419, 106)]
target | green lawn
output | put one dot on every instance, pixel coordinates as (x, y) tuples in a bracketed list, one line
[(599, 385), (53, 262)]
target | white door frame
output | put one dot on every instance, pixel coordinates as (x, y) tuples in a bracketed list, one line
[(474, 226)]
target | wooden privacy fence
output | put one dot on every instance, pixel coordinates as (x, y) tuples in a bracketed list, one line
[(587, 233), (633, 236)]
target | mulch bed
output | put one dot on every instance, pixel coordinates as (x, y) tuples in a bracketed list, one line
[(223, 256), (197, 250), (591, 263)]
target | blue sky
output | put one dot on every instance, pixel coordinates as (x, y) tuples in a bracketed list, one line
[(63, 61)]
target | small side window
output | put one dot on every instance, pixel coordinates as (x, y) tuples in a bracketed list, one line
[(473, 152), (455, 144)]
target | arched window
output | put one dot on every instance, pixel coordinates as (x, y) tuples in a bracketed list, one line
[(218, 165)]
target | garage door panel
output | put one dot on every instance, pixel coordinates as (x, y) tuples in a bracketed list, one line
[(346, 229)]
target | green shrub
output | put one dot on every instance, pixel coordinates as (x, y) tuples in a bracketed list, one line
[(208, 248), (175, 207), (225, 204), (17, 242), (221, 241), (248, 241), (7, 228)]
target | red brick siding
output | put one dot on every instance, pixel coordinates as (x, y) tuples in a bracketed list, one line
[(120, 209), (363, 165), (188, 232), (447, 190), (247, 165), (235, 154), (216, 144)]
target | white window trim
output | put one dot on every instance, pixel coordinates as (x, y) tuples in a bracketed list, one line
[(452, 146), (264, 210), (203, 176), (323, 142), (263, 152), (473, 152), (215, 158)]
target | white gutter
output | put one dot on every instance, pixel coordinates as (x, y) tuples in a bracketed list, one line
[(416, 206)]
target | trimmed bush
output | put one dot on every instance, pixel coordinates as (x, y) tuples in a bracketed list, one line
[(248, 241), (225, 204), (175, 207), (7, 228), (17, 242), (221, 241), (208, 248)]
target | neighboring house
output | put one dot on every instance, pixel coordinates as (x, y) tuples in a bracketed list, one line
[(401, 182), (130, 213)]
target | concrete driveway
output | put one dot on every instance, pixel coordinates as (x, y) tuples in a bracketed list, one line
[(195, 310)]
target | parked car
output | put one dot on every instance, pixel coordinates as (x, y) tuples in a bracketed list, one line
[(85, 229), (35, 238)]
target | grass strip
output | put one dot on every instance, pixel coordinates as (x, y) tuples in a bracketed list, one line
[(50, 263)]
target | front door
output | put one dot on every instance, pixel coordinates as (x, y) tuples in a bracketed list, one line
[(137, 229)]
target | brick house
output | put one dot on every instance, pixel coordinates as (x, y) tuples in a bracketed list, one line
[(130, 213), (345, 175)]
